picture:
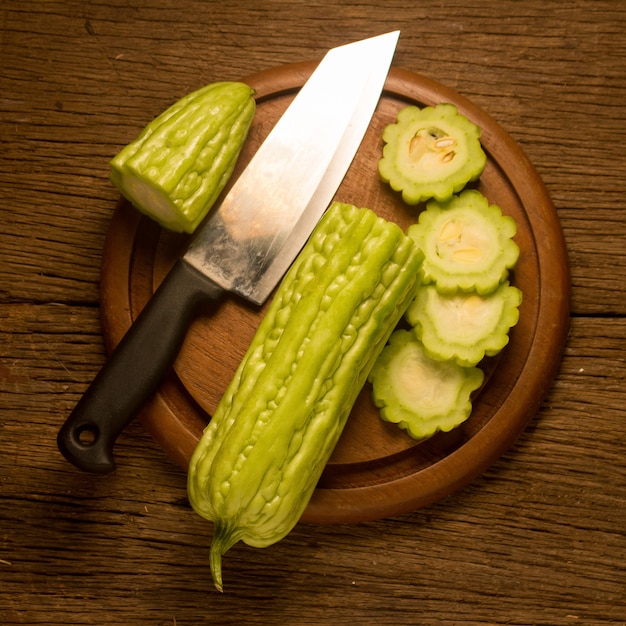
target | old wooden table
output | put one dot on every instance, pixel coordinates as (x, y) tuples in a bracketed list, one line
[(539, 538)]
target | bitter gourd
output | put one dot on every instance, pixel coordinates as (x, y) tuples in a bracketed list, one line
[(464, 327), (467, 242), (431, 153), (179, 164), (262, 453), (420, 394)]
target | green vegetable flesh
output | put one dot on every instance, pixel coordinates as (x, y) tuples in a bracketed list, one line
[(463, 311), (420, 394), (467, 243), (177, 167), (464, 327), (272, 434), (431, 153)]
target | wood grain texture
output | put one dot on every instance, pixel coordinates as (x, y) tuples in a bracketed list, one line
[(538, 539)]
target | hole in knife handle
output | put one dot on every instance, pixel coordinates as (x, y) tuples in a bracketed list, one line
[(87, 435)]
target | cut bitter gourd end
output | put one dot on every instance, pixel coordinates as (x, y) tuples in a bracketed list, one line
[(154, 203), (176, 168)]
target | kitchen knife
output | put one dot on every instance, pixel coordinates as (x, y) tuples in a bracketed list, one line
[(247, 243)]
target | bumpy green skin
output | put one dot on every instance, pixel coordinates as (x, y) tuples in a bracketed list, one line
[(177, 167), (468, 243), (464, 327), (420, 394), (261, 455), (431, 153)]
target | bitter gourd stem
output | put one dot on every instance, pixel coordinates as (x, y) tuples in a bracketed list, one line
[(224, 537)]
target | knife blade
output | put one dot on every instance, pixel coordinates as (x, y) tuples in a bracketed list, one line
[(247, 243)]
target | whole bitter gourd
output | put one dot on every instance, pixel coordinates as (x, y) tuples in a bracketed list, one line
[(177, 167), (262, 454)]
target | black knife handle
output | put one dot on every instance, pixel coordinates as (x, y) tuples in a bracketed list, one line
[(135, 369)]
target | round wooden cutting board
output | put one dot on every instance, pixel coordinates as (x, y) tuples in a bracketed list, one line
[(376, 470)]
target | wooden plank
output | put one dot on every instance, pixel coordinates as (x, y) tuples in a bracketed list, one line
[(130, 539), (538, 539)]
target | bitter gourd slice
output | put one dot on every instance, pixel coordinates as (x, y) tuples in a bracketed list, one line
[(177, 167), (464, 327), (431, 153), (420, 394), (467, 242), (262, 454)]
